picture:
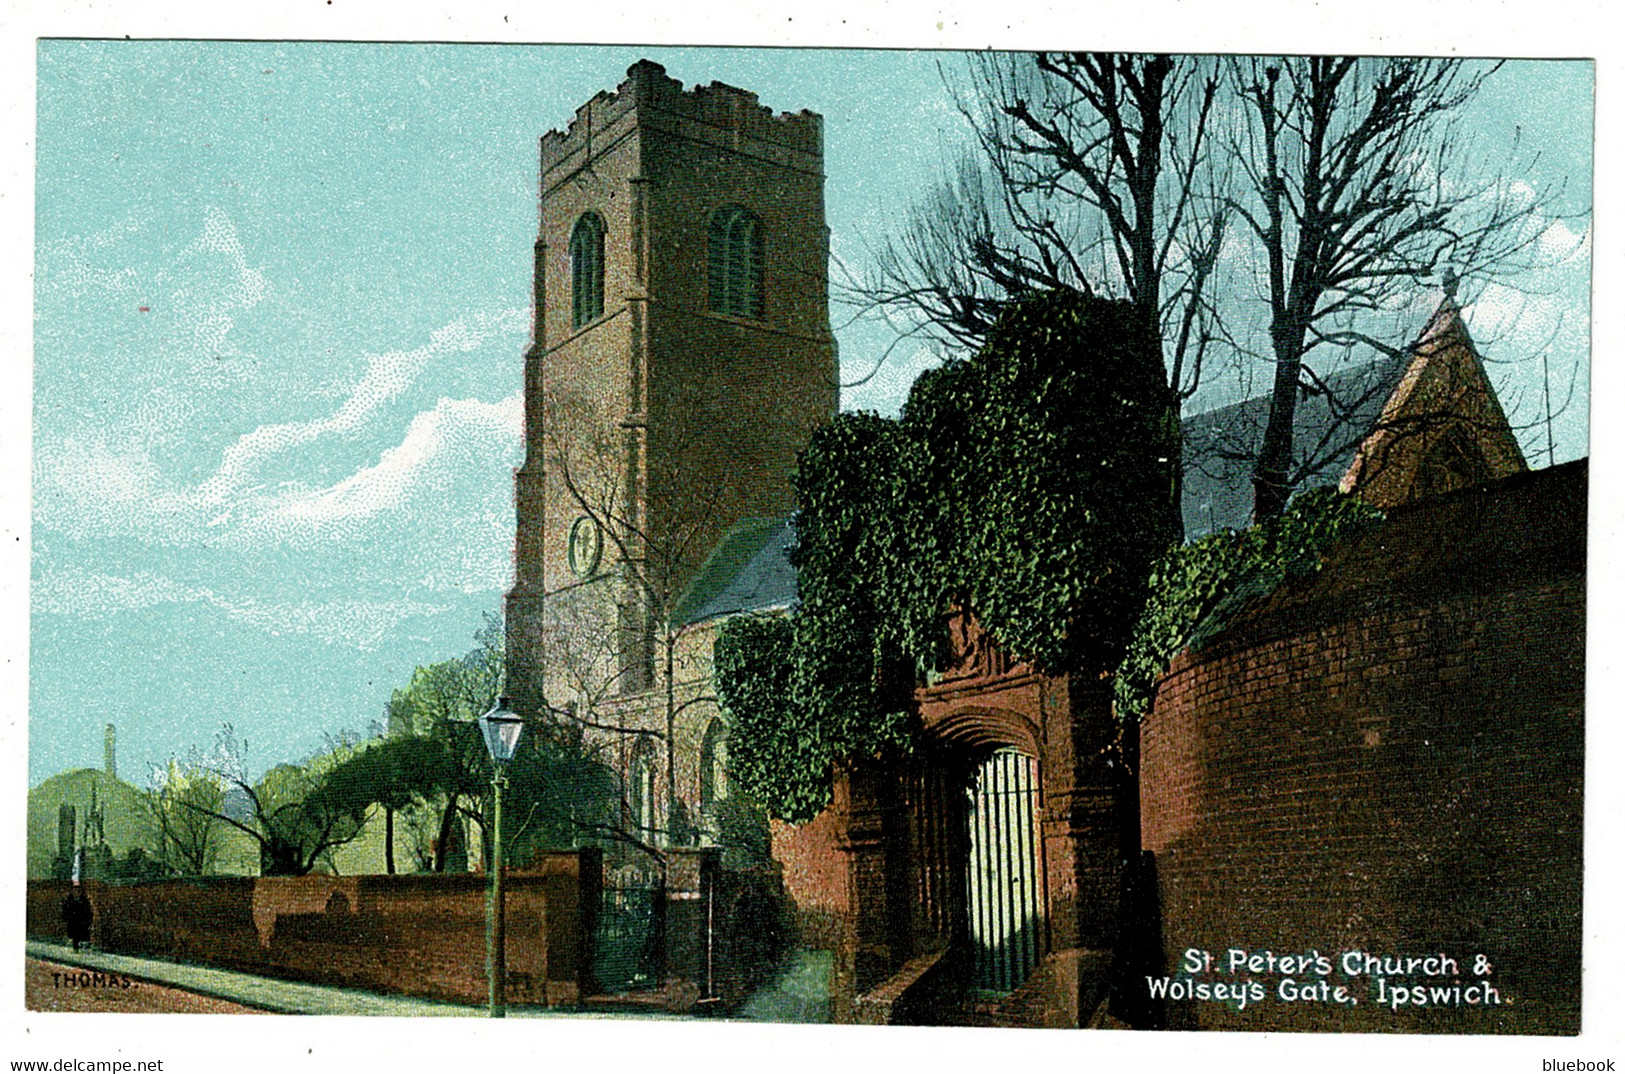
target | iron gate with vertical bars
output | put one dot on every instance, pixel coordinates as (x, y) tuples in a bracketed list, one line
[(1005, 890), (626, 939)]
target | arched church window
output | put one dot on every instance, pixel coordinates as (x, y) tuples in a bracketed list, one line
[(714, 765), (641, 788), (736, 258), (587, 270)]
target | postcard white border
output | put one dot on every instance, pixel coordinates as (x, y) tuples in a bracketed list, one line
[(1481, 28)]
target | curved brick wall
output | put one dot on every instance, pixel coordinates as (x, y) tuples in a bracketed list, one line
[(1388, 756)]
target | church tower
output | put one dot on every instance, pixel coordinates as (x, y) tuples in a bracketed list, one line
[(681, 355)]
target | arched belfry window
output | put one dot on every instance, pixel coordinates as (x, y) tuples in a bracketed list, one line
[(736, 262), (714, 765), (587, 270)]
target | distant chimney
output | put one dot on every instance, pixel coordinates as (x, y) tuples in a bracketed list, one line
[(110, 752)]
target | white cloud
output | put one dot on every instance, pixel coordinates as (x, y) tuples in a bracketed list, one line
[(104, 481), (457, 436), (75, 266), (359, 623), (1496, 311), (1521, 320), (207, 306), (1559, 243), (886, 389), (99, 596), (362, 624), (434, 511), (387, 376), (86, 487)]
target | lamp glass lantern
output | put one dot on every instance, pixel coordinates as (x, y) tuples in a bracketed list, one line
[(501, 729)]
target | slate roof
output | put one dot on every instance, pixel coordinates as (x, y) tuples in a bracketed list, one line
[(749, 571), (1221, 444)]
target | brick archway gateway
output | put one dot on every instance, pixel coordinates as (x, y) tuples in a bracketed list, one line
[(980, 728), (901, 828), (1030, 863), (985, 701), (975, 804)]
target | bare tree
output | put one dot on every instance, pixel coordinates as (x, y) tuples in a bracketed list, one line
[(1356, 188), (1093, 170), (296, 817), (1336, 183), (185, 805), (645, 526), (599, 671)]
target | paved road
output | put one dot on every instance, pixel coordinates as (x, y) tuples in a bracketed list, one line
[(243, 990), (58, 978), (55, 986)]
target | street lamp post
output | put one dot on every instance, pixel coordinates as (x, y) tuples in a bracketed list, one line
[(501, 729)]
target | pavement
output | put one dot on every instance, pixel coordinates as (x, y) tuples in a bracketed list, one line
[(799, 994)]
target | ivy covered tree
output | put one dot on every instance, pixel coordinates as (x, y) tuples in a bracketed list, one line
[(1027, 484), (1040, 470), (777, 751)]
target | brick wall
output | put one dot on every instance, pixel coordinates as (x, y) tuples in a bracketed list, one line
[(414, 935), (1388, 756), (814, 872)]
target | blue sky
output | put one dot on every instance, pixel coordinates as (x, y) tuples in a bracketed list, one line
[(281, 295)]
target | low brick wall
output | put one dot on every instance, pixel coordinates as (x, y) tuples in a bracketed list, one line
[(412, 935), (1388, 757)]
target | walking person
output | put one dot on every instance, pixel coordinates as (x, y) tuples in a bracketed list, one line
[(77, 913)]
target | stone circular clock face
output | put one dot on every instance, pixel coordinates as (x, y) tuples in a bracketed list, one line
[(586, 546)]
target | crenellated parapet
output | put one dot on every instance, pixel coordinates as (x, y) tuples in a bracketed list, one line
[(715, 110)]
